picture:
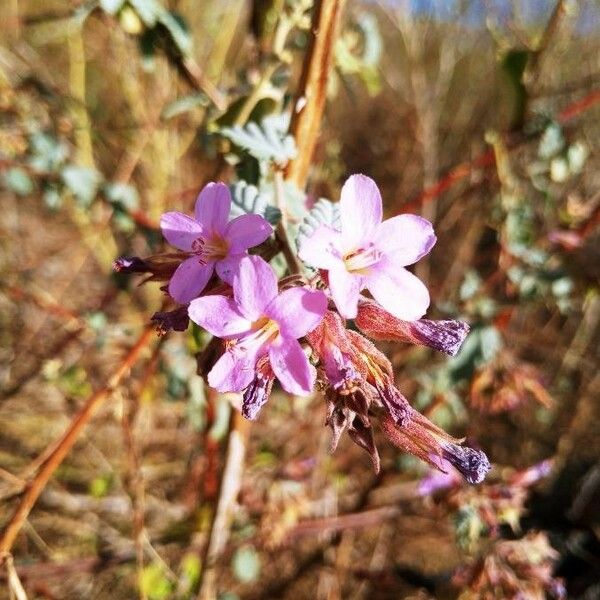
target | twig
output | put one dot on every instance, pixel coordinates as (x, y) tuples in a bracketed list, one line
[(14, 583), (230, 486), (67, 441), (281, 231), (310, 98)]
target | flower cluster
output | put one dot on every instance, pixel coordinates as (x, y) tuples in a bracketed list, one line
[(295, 329)]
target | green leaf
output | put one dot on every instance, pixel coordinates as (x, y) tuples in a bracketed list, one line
[(183, 105), (552, 141), (247, 199), (52, 198), (190, 569), (178, 31), (111, 6), (100, 486), (324, 212), (246, 564), (123, 194), (149, 11), (17, 180), (267, 141), (48, 154), (83, 182), (154, 584)]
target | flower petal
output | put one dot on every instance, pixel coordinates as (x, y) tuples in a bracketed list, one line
[(322, 249), (291, 366), (229, 267), (405, 238), (345, 288), (297, 311), (180, 230), (233, 372), (398, 291), (219, 315), (254, 286), (360, 211), (213, 206), (189, 279), (246, 231)]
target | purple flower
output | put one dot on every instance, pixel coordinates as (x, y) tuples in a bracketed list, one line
[(259, 321), (367, 253), (210, 241)]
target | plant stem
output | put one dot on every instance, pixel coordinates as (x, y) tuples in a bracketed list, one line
[(310, 98), (231, 481)]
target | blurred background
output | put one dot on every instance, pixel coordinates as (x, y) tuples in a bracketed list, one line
[(483, 116)]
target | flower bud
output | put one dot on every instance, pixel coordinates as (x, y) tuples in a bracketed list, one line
[(427, 441), (171, 320), (259, 390), (446, 336)]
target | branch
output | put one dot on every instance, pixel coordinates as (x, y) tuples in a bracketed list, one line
[(231, 482), (310, 98)]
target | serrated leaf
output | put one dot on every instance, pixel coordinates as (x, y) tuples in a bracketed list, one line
[(83, 182), (183, 105), (246, 564), (324, 212), (267, 141), (247, 199)]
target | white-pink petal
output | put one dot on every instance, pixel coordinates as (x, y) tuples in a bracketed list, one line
[(405, 238), (360, 211), (189, 279), (180, 230), (400, 292), (297, 311), (233, 372), (322, 249), (291, 367), (212, 207), (345, 288), (254, 286), (219, 315), (246, 231)]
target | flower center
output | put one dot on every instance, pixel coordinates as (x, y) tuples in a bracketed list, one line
[(262, 332), (360, 260), (210, 248)]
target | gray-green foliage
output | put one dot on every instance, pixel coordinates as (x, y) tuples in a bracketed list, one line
[(268, 141), (324, 212), (247, 198)]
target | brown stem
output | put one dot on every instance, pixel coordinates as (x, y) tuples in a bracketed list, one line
[(231, 482), (62, 448), (310, 98)]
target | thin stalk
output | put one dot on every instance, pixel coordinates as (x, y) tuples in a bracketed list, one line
[(311, 95), (231, 482)]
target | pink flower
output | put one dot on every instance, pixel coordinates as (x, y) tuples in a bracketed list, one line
[(210, 241), (259, 321), (367, 253)]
